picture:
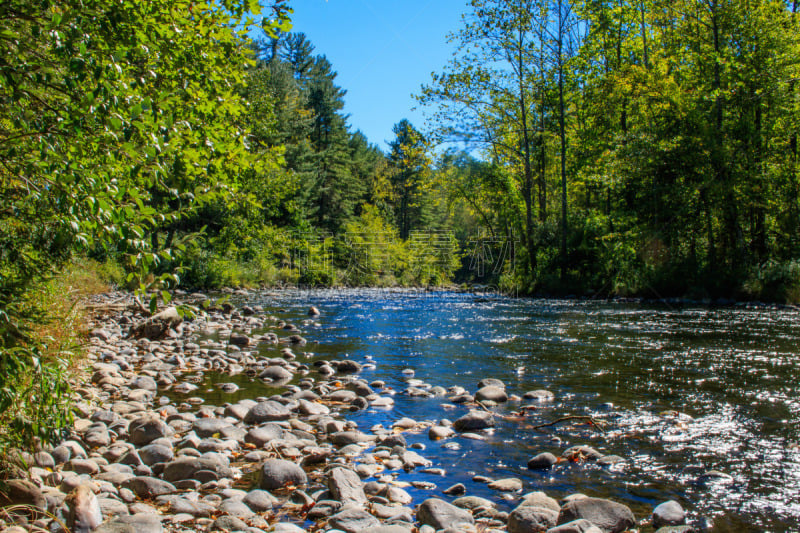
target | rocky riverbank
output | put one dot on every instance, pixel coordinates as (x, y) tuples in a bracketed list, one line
[(138, 460)]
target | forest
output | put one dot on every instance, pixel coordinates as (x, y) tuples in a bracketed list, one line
[(613, 147)]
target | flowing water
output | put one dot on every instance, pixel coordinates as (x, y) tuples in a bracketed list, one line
[(684, 390)]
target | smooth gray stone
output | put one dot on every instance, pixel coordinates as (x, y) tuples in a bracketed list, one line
[(611, 517), (346, 486), (149, 487), (440, 514), (187, 467), (669, 513), (277, 473), (528, 519), (354, 520), (540, 499), (576, 526), (145, 430), (474, 420), (543, 461), (491, 393), (208, 427), (155, 453), (260, 500), (138, 523), (268, 411)]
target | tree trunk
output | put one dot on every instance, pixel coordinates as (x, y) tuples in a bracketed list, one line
[(527, 188), (563, 139)]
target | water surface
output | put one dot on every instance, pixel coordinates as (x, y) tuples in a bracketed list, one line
[(685, 390)]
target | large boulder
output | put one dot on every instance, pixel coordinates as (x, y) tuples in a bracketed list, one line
[(441, 515), (669, 514), (611, 517), (268, 411), (346, 486), (84, 509), (354, 520), (531, 519), (146, 429), (492, 394), (146, 487), (474, 420), (188, 467), (278, 473)]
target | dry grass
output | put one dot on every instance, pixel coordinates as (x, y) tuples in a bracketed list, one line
[(61, 328)]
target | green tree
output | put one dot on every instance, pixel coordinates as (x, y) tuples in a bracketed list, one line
[(410, 179)]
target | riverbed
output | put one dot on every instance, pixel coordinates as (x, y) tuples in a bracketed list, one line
[(682, 391)]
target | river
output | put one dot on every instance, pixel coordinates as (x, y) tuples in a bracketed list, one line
[(684, 390)]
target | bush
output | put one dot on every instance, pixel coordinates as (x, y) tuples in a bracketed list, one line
[(774, 281)]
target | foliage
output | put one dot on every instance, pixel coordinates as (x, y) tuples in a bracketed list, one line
[(668, 128), (112, 133)]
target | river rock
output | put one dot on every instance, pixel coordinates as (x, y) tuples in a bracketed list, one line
[(669, 513), (209, 427), (581, 453), (239, 339), (229, 523), (492, 394), (264, 434), (347, 366), (260, 500), (440, 515), (345, 486), (354, 520), (146, 429), (97, 435), (456, 490), (474, 420), (143, 382), (84, 509), (185, 467), (543, 461), (149, 487), (275, 373), (507, 485), (540, 499), (137, 523), (155, 453), (268, 411), (611, 517), (491, 382), (345, 438), (576, 526), (278, 473), (440, 432), (539, 395), (530, 519)]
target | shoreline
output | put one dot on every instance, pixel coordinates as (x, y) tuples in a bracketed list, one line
[(137, 461)]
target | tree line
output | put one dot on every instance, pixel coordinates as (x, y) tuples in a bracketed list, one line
[(614, 147), (642, 146)]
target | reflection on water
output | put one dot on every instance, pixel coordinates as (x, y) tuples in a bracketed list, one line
[(685, 391)]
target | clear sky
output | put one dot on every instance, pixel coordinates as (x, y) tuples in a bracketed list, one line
[(383, 50)]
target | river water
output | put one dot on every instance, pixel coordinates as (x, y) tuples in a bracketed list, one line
[(684, 390)]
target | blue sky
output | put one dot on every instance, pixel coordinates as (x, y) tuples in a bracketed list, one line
[(383, 50)]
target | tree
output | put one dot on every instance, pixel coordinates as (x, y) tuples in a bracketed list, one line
[(487, 94), (411, 173), (111, 130)]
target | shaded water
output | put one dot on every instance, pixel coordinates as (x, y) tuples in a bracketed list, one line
[(643, 368)]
